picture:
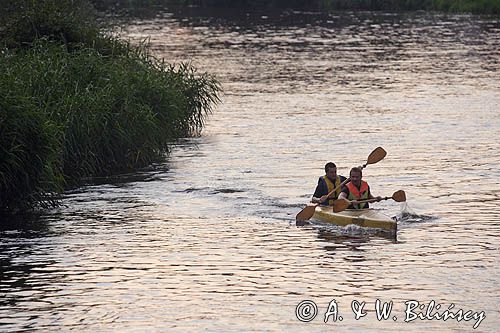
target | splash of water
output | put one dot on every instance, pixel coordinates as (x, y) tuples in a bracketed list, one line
[(408, 215)]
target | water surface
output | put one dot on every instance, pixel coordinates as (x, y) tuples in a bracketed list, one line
[(207, 241)]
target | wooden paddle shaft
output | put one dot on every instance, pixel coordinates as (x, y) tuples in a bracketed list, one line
[(398, 196), (340, 186), (372, 200)]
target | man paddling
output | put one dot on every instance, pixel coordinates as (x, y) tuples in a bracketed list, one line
[(326, 184), (357, 189)]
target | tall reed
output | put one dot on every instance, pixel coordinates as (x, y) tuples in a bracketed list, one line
[(78, 103)]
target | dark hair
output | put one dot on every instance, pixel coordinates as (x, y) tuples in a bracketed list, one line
[(356, 169), (329, 165)]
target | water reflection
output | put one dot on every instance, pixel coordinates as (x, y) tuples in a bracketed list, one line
[(352, 237), (208, 242), (338, 49)]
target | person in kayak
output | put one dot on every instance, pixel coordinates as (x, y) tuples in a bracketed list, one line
[(356, 190), (326, 184)]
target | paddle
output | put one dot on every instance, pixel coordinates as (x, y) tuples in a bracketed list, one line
[(375, 156), (342, 204), (306, 213)]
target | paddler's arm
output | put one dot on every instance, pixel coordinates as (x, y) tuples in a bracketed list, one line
[(343, 195), (320, 200), (320, 189)]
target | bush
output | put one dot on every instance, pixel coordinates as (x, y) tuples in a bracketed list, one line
[(77, 103), (29, 172), (70, 22)]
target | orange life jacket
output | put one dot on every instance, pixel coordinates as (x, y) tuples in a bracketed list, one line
[(358, 194)]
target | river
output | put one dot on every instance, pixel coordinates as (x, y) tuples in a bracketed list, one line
[(207, 241)]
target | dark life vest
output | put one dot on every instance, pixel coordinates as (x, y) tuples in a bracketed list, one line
[(331, 186)]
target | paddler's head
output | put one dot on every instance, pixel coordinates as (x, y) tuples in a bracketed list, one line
[(331, 171), (356, 174)]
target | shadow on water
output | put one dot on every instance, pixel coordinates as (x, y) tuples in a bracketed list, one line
[(151, 173), (24, 224), (355, 232), (353, 235), (22, 237), (349, 238)]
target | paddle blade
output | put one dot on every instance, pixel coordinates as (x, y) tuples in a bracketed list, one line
[(340, 205), (306, 213), (399, 196), (376, 155)]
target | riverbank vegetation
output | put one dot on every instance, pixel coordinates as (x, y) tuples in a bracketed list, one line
[(76, 102), (473, 6)]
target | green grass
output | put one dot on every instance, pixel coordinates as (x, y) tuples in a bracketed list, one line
[(77, 103)]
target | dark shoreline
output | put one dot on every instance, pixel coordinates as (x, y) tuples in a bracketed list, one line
[(491, 7)]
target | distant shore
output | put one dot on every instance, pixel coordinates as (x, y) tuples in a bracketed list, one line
[(459, 6)]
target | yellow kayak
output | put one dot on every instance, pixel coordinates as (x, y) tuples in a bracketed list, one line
[(367, 218)]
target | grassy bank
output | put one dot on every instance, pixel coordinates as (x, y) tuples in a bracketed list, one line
[(473, 6), (77, 103)]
